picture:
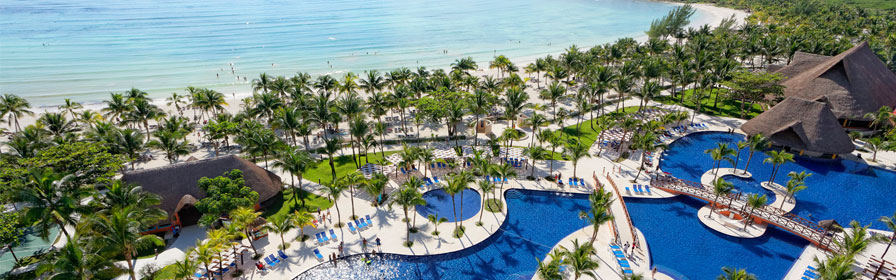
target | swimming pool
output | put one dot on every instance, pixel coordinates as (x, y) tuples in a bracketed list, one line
[(680, 242), (749, 186), (838, 189), (536, 221), (438, 202)]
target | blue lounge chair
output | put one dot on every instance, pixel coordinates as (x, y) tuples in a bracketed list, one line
[(317, 254), (627, 190), (351, 227), (282, 255), (323, 235), (200, 275), (367, 217), (319, 239), (627, 271), (637, 188), (647, 187), (812, 268), (360, 223), (268, 261), (505, 179), (273, 259), (333, 235), (436, 178), (487, 178)]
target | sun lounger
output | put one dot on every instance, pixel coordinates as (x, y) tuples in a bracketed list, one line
[(367, 217), (647, 188), (505, 179), (627, 271), (627, 190), (323, 235), (319, 239), (360, 223), (436, 178), (333, 235), (351, 227), (317, 254), (282, 254), (273, 259)]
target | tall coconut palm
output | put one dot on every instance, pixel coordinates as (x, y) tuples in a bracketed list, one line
[(376, 187), (243, 218), (334, 189), (777, 158), (177, 100), (74, 260), (185, 269), (204, 253), (535, 153), (754, 201), (486, 188), (553, 92), (353, 180), (358, 129), (837, 267), (262, 83), (52, 201), (575, 151), (720, 187), (57, 124), (15, 107), (502, 171), (580, 259), (116, 107), (755, 142), (373, 82), (456, 185), (290, 120), (514, 101), (407, 197), (281, 225), (118, 231), (169, 142), (294, 161), (735, 274), (70, 107), (599, 212), (719, 153), (855, 239), (142, 112), (646, 142), (301, 219)]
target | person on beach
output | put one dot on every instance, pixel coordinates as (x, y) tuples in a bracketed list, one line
[(378, 243)]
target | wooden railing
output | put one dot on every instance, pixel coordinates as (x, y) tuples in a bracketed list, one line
[(787, 221), (628, 217)]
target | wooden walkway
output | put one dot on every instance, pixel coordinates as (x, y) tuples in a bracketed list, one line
[(790, 222)]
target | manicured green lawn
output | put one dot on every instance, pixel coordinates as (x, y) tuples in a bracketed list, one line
[(871, 4), (166, 272), (282, 204), (726, 107), (321, 171)]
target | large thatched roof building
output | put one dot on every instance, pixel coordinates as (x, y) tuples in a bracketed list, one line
[(802, 125), (854, 82), (177, 184)]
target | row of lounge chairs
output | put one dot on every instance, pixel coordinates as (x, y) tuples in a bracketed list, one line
[(322, 237), (495, 180), (430, 182), (621, 259), (575, 182), (438, 165), (810, 273), (360, 223), (639, 189), (515, 162)]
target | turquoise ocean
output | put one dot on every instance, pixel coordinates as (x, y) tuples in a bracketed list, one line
[(83, 50)]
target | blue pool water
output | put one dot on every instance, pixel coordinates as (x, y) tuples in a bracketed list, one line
[(680, 242), (838, 189), (438, 202), (85, 49), (535, 222), (749, 186)]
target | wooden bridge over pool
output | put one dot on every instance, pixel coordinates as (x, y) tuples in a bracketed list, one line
[(800, 226)]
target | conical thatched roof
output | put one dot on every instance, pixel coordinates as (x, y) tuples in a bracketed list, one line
[(803, 125), (830, 225), (177, 184), (854, 82)]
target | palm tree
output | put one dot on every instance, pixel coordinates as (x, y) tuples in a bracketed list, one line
[(375, 187), (514, 101), (57, 125), (735, 274), (580, 259), (52, 201), (645, 142), (170, 143), (598, 214), (262, 83), (142, 111), (754, 201), (486, 187), (455, 185), (351, 180), (281, 225), (755, 142), (290, 120), (553, 92), (176, 100), (777, 158), (74, 261), (244, 217), (265, 105), (890, 222), (837, 267), (205, 253), (118, 231), (373, 83), (740, 146), (535, 153), (436, 221), (334, 189), (331, 146), (16, 107), (295, 162), (876, 144), (798, 180), (720, 187), (70, 107), (549, 271), (719, 153), (855, 240), (882, 118), (575, 151), (185, 269), (408, 197), (502, 171), (128, 142), (300, 220), (116, 107)]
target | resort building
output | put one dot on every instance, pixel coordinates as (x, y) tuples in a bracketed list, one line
[(855, 82), (177, 184), (804, 126)]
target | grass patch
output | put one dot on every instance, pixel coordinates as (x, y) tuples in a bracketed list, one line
[(321, 172), (459, 231), (282, 204), (494, 205), (726, 107), (166, 272), (408, 243)]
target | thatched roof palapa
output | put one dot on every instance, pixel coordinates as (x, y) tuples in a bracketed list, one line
[(178, 186), (854, 82), (803, 125)]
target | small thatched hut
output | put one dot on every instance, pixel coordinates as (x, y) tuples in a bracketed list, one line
[(802, 125), (855, 82), (177, 184)]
